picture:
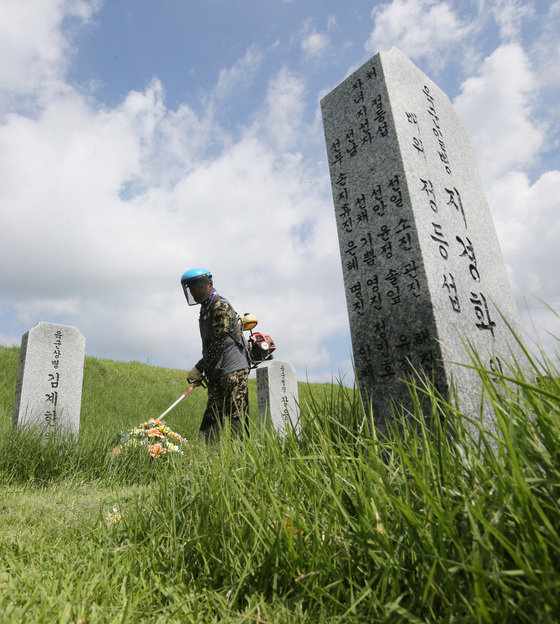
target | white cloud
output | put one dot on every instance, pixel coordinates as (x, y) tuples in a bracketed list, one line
[(496, 107), (104, 208), (421, 29), (34, 50), (282, 115), (526, 217), (61, 175), (314, 44), (546, 50), (238, 75), (509, 16)]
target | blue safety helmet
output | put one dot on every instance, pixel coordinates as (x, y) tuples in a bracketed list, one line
[(191, 276)]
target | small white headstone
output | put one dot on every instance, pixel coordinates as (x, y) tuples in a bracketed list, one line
[(49, 383), (277, 396)]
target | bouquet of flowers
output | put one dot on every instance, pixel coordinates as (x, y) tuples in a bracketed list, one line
[(156, 436)]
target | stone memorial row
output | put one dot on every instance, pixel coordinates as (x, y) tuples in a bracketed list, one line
[(423, 270), (50, 375)]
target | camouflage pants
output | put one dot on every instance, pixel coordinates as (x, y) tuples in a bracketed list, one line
[(228, 397)]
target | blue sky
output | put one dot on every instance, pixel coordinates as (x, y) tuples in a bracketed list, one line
[(139, 139)]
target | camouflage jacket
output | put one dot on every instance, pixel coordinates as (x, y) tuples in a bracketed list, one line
[(222, 341)]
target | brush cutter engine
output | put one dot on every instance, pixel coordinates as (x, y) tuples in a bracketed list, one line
[(259, 346)]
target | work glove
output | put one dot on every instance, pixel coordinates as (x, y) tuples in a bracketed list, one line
[(194, 376)]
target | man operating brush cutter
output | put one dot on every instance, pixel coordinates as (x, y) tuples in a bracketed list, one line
[(224, 365)]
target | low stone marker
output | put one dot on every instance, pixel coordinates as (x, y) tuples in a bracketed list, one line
[(277, 396), (423, 270), (49, 384)]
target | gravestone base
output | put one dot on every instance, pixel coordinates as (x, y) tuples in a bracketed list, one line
[(277, 397), (49, 383)]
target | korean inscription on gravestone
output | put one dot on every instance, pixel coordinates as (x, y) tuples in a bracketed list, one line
[(49, 385), (421, 261), (277, 395)]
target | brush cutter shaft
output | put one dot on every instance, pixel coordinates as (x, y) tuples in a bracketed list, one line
[(176, 402)]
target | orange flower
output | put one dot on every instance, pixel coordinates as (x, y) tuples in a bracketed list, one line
[(154, 433), (156, 422), (156, 449), (289, 527)]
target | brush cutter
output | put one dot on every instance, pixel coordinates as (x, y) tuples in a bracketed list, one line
[(177, 401)]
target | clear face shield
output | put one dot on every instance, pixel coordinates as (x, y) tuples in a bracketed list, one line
[(196, 290)]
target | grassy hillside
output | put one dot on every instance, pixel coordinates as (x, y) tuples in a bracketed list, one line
[(335, 526)]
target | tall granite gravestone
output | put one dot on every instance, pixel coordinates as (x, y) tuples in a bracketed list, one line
[(423, 271), (49, 383), (277, 396)]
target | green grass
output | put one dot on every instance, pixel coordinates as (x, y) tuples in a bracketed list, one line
[(335, 526)]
